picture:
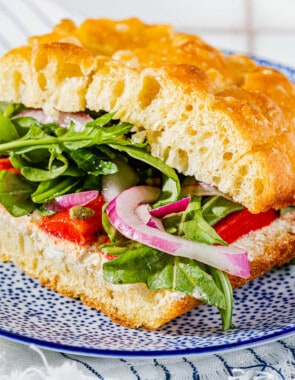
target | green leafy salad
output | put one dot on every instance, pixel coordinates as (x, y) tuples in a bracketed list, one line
[(55, 160)]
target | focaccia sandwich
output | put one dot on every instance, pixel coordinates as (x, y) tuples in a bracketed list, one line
[(142, 170)]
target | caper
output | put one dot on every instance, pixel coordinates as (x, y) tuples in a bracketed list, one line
[(81, 212)]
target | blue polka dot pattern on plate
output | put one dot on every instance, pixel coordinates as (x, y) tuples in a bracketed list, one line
[(264, 310)]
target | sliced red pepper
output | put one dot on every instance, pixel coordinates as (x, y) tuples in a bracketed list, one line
[(5, 164), (81, 231), (242, 222)]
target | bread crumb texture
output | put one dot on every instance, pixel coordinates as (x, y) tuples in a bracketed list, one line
[(221, 118)]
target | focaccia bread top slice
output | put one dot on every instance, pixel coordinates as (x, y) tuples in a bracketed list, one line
[(221, 118)]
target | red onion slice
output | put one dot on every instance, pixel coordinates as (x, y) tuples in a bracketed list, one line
[(65, 202), (144, 213), (202, 189), (64, 119), (171, 208), (122, 214)]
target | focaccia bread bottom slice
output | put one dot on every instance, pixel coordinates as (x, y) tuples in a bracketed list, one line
[(76, 271)]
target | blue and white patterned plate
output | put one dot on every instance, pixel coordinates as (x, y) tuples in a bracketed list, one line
[(29, 313)]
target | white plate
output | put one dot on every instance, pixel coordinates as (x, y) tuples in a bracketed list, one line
[(264, 311)]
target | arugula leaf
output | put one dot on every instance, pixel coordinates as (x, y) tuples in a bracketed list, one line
[(51, 189), (171, 186), (93, 134), (44, 152), (38, 175), (198, 230), (102, 120), (15, 193), (192, 225), (159, 270), (224, 285), (38, 137), (216, 208), (10, 109), (89, 182), (29, 142), (170, 189), (92, 162), (7, 129)]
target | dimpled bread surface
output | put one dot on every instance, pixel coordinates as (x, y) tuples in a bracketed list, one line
[(222, 119)]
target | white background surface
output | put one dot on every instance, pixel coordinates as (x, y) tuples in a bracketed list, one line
[(262, 27)]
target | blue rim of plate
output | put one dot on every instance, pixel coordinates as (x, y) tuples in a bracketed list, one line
[(147, 354), (144, 354), (241, 342)]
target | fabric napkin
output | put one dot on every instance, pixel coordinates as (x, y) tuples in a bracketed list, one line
[(271, 361), (20, 19)]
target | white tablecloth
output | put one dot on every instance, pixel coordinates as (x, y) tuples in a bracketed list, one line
[(275, 360), (271, 361)]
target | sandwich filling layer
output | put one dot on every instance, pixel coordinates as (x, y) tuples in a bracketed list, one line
[(71, 178)]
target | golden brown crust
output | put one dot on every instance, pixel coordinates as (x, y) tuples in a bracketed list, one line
[(54, 76), (239, 117), (273, 246)]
